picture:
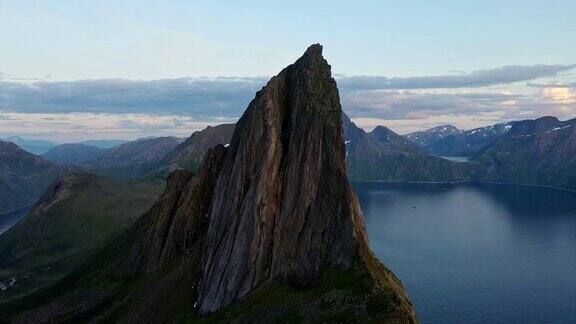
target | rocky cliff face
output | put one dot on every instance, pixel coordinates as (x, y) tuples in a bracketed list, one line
[(268, 230), (282, 207)]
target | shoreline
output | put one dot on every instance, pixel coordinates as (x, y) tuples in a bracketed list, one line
[(467, 182)]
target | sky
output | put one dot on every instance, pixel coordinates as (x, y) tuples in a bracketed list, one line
[(76, 70)]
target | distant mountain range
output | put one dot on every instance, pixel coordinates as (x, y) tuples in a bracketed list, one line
[(447, 140), (129, 160), (23, 176), (74, 153), (133, 159), (189, 154), (39, 146), (386, 156), (105, 144), (540, 151), (33, 146), (429, 137), (379, 155)]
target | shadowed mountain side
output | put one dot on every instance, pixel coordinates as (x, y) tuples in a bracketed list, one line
[(133, 159), (383, 155), (75, 217), (540, 151), (73, 153), (188, 155), (23, 177)]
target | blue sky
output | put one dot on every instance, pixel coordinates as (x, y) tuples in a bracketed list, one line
[(423, 56)]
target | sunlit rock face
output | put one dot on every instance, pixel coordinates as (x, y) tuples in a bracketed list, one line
[(282, 205)]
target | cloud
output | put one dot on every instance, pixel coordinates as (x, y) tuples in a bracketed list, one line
[(74, 127), (134, 108), (415, 104), (199, 97), (556, 84), (223, 96), (480, 78)]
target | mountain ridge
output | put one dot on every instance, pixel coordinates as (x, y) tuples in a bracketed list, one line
[(447, 140), (271, 214), (535, 151), (23, 176)]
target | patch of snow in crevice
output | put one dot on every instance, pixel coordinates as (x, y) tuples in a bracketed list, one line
[(558, 128)]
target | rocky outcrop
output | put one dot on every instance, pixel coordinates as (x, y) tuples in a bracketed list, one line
[(175, 227), (272, 219), (282, 207)]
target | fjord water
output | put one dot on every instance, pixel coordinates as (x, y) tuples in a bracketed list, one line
[(10, 219), (477, 253)]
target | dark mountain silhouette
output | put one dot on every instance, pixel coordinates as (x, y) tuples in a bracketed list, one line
[(77, 215)]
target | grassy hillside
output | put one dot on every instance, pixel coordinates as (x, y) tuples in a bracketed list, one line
[(75, 217)]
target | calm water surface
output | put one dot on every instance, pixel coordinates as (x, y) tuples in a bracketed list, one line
[(478, 253)]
